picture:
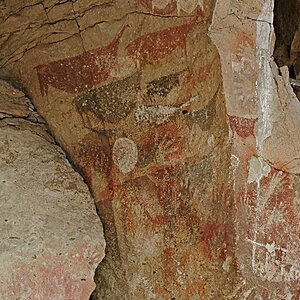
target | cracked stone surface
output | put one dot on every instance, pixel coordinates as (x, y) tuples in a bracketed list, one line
[(185, 131), (264, 118), (51, 237), (133, 92)]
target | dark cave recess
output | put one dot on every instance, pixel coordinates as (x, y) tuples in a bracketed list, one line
[(286, 26)]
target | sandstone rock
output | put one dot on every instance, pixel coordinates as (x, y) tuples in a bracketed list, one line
[(264, 117), (51, 236), (12, 102), (132, 90), (145, 105)]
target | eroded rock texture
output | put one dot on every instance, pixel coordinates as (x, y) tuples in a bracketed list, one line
[(264, 118), (51, 236), (133, 92), (198, 191)]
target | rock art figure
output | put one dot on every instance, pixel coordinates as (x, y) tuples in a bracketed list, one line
[(243, 127), (125, 154), (110, 103), (163, 86), (80, 73), (194, 76), (156, 46)]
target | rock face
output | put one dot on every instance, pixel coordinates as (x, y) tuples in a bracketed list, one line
[(185, 130), (264, 118), (51, 236), (133, 92)]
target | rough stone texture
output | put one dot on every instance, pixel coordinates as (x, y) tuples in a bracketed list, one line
[(133, 91), (264, 118), (51, 236)]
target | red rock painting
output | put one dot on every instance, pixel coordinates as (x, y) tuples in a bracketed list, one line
[(160, 180), (194, 76), (195, 290), (81, 72), (243, 127), (210, 232), (169, 144), (244, 47), (276, 193), (158, 45), (272, 227), (64, 284)]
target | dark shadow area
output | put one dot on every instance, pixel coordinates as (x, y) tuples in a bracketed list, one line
[(286, 24), (287, 45)]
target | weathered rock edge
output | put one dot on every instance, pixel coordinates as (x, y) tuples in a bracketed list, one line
[(51, 237)]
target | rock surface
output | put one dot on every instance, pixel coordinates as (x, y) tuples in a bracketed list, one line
[(141, 111), (264, 118), (185, 130), (51, 236)]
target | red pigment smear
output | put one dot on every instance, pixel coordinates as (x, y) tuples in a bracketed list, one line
[(194, 77), (243, 127), (209, 232), (193, 289), (157, 45), (80, 73), (244, 40)]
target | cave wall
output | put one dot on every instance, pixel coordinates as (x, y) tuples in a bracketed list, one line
[(185, 130), (286, 24), (132, 90), (263, 111)]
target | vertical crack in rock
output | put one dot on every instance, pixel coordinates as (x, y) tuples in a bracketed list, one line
[(78, 25)]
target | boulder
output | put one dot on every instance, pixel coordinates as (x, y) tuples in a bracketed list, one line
[(51, 236)]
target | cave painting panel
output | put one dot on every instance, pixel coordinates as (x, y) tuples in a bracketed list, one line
[(146, 185), (142, 170), (155, 46), (273, 234), (80, 73)]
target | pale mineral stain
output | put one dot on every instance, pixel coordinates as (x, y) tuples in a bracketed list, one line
[(159, 114), (189, 6), (227, 263), (258, 169), (125, 154)]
